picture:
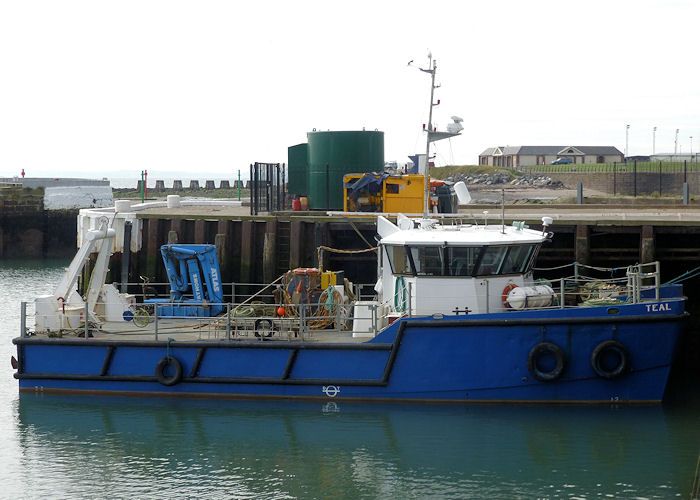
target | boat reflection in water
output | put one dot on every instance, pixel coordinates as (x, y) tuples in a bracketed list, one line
[(162, 447)]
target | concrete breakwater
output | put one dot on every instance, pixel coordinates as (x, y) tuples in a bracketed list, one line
[(27, 230), (194, 185)]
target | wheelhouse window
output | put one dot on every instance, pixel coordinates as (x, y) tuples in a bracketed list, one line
[(398, 259), (425, 260), (462, 260), (428, 261), (518, 259), (491, 260)]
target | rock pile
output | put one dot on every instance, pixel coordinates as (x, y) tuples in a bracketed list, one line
[(491, 179), (537, 181)]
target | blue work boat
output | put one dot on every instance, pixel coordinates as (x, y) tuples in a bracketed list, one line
[(457, 316)]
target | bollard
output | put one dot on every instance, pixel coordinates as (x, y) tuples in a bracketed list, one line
[(579, 193)]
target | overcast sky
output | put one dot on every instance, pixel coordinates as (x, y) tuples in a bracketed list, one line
[(93, 88)]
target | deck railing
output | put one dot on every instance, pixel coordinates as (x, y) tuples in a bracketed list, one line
[(257, 321), (268, 317)]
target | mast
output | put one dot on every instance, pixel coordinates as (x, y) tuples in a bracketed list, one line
[(426, 186), (453, 130)]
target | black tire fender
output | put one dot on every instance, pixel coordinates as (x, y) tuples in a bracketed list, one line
[(264, 327), (173, 379), (541, 349), (618, 349)]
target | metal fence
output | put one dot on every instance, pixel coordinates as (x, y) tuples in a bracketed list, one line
[(675, 167), (633, 178), (267, 187)]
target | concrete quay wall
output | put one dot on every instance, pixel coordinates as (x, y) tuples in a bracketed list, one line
[(259, 249), (44, 182), (628, 183)]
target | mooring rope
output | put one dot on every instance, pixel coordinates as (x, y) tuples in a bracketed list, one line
[(336, 250), (167, 349), (552, 268), (685, 276)]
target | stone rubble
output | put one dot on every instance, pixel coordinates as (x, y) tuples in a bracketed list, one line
[(491, 179)]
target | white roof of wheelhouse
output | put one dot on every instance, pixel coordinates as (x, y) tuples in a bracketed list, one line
[(464, 236)]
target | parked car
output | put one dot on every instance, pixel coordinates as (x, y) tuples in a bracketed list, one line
[(562, 161)]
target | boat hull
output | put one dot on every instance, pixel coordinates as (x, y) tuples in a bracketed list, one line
[(480, 358)]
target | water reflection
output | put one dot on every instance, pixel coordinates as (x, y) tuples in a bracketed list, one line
[(160, 447)]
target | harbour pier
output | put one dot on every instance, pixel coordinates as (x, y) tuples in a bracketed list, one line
[(260, 248)]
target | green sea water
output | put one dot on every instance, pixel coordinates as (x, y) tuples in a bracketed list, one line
[(112, 447)]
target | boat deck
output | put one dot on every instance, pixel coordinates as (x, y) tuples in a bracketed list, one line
[(211, 329)]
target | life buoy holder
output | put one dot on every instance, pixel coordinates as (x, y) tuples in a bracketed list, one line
[(506, 291), (163, 364), (606, 349), (543, 349)]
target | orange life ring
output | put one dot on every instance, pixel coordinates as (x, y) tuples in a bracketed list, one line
[(506, 291)]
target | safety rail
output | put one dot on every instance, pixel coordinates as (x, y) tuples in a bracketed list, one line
[(255, 321), (363, 291), (270, 317), (577, 290), (582, 290)]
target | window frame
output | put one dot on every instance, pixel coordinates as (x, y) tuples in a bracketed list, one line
[(446, 270)]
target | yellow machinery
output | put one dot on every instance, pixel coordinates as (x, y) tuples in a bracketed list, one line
[(383, 193)]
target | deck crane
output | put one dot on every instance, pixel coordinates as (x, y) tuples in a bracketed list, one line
[(193, 270), (65, 308)]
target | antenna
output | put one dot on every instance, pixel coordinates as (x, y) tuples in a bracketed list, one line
[(426, 185), (433, 135), (546, 222)]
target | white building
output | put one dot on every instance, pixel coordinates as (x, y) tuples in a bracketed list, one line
[(677, 157), (528, 156)]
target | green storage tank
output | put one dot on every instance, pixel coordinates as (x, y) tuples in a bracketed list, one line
[(298, 169), (332, 155)]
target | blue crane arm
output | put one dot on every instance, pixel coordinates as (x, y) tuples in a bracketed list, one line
[(176, 268), (194, 267), (195, 279), (212, 276)]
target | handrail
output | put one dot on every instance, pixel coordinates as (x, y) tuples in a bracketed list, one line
[(257, 293)]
